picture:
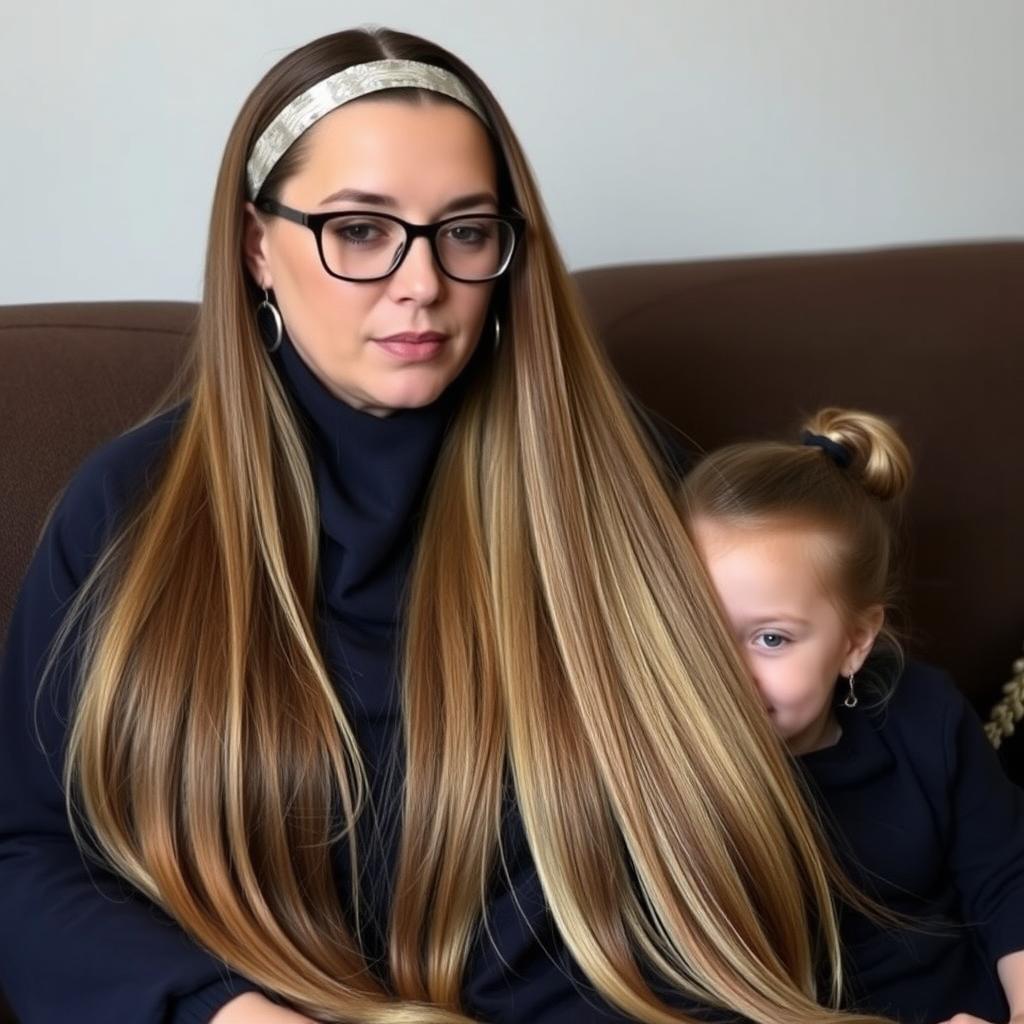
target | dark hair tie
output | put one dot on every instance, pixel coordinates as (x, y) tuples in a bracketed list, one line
[(839, 453)]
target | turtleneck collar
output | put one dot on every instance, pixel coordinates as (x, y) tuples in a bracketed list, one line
[(371, 475)]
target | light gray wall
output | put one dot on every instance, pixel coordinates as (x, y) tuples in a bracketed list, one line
[(658, 130)]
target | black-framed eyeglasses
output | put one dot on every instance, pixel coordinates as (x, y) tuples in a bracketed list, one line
[(358, 246)]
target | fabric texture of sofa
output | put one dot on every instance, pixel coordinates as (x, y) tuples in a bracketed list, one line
[(932, 336)]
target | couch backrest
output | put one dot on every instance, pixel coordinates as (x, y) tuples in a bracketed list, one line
[(72, 375), (726, 349), (931, 336)]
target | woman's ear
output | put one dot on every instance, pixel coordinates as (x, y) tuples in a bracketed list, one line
[(254, 248), (862, 638)]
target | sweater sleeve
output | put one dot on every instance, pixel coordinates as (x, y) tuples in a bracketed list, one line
[(986, 852), (75, 942)]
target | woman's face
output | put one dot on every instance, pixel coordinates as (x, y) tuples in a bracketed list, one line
[(418, 162), (774, 584)]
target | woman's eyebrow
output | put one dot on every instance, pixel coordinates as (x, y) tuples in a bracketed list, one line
[(468, 202), (355, 195)]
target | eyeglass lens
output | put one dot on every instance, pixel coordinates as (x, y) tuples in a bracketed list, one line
[(363, 246)]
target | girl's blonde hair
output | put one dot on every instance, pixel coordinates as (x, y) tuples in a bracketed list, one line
[(554, 638), (854, 492)]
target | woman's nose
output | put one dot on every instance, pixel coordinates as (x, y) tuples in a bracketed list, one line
[(419, 277)]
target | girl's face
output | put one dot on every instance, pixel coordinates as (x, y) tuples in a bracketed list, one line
[(774, 585), (418, 162)]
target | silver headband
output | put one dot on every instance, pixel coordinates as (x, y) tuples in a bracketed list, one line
[(319, 100)]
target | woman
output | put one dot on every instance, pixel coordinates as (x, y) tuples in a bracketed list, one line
[(377, 670)]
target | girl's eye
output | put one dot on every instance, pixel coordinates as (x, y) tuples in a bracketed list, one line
[(771, 641)]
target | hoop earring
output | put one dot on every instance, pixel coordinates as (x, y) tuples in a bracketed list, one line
[(497, 332), (850, 700), (272, 335)]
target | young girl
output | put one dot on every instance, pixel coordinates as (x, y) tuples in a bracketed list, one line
[(798, 540)]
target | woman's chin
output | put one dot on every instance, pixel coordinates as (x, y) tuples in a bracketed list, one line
[(411, 395)]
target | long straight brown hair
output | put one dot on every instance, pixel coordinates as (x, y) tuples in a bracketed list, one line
[(559, 634)]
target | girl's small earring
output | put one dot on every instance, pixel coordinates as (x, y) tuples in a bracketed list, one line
[(850, 700), (497, 332), (267, 314)]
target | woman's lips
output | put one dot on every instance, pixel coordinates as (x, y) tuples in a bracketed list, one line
[(411, 347)]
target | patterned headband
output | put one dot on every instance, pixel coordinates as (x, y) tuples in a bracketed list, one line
[(319, 100)]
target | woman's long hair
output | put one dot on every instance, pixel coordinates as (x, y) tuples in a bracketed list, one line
[(560, 637)]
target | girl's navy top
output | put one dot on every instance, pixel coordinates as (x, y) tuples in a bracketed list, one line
[(925, 821)]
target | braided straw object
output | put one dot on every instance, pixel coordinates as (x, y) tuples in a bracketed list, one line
[(1010, 710)]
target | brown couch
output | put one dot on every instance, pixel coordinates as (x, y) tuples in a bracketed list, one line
[(932, 336)]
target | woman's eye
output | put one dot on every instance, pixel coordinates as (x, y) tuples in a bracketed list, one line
[(772, 641), (360, 232), (357, 232), (467, 234)]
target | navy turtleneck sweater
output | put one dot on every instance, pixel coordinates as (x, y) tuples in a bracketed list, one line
[(75, 944), (371, 475)]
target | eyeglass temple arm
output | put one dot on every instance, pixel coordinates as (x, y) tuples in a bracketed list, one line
[(280, 210)]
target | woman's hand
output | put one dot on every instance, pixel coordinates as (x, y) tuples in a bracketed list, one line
[(252, 1008)]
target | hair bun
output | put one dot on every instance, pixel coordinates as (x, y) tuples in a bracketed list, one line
[(878, 456)]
